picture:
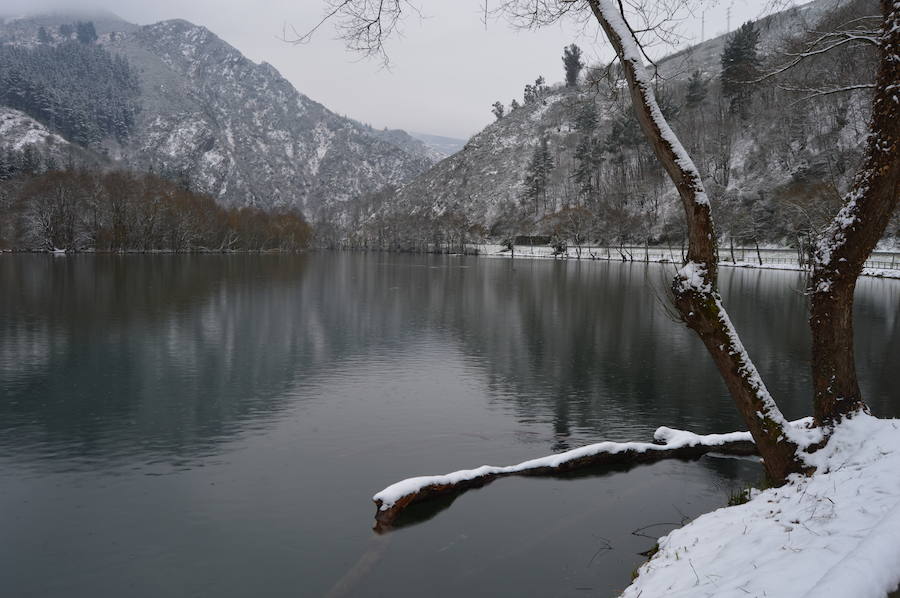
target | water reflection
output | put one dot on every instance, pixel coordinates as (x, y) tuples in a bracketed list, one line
[(109, 357), (129, 355)]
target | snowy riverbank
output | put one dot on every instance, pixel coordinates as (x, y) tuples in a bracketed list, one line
[(835, 534), (772, 259)]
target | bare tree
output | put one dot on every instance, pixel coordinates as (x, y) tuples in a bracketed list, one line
[(572, 223)]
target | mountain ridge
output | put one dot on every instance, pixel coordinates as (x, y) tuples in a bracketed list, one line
[(482, 191), (233, 128)]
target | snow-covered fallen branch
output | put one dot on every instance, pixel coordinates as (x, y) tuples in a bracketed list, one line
[(669, 443), (835, 533)]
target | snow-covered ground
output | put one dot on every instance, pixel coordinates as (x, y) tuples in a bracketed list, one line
[(784, 261), (18, 130), (835, 534)]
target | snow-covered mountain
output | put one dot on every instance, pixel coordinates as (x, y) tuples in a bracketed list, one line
[(233, 128), (784, 152)]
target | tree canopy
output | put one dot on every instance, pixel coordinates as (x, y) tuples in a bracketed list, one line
[(573, 64), (80, 90), (740, 66)]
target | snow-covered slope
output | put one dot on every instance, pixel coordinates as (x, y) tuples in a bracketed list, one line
[(18, 130), (491, 167), (776, 154), (794, 20), (237, 129)]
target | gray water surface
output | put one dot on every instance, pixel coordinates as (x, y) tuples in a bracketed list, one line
[(216, 425)]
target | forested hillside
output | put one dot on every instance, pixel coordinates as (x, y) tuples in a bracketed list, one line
[(173, 99), (78, 89), (569, 162)]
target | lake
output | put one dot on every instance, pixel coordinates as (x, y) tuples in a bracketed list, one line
[(210, 425)]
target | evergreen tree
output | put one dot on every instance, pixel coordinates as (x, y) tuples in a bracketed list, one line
[(497, 110), (586, 119), (572, 62), (696, 90), (85, 32), (540, 88), (624, 132), (7, 165), (66, 30), (538, 174), (588, 157), (514, 105), (30, 160), (536, 92), (666, 101), (740, 65), (588, 152), (43, 36), (79, 90)]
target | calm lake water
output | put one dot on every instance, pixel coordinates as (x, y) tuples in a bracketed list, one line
[(216, 425)]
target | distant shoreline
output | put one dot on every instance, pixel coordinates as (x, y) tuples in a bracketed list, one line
[(657, 257), (491, 251), (63, 253)]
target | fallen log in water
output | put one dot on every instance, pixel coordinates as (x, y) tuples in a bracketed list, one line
[(670, 443)]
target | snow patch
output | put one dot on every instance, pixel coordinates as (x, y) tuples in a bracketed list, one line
[(832, 534), (20, 130), (693, 277), (545, 105)]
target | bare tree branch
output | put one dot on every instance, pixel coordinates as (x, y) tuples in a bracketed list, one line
[(801, 56), (363, 25), (817, 93)]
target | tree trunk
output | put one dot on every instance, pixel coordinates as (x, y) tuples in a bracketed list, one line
[(694, 289), (851, 238)]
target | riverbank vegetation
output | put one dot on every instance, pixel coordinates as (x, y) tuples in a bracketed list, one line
[(85, 210)]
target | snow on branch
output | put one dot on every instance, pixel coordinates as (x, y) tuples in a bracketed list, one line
[(864, 35), (669, 443), (801, 56), (816, 93)]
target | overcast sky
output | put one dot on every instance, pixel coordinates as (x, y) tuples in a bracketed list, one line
[(445, 73)]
